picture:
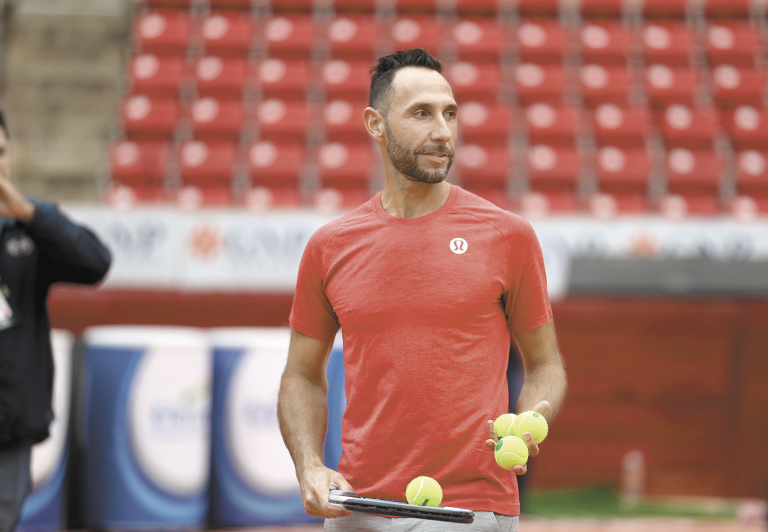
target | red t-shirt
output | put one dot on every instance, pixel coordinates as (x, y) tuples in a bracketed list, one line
[(426, 321)]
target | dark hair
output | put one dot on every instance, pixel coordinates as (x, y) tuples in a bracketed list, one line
[(2, 124), (384, 72)]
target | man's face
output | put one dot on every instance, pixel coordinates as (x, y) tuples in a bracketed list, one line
[(421, 126), (5, 155)]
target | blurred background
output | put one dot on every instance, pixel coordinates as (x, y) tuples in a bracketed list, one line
[(205, 141)]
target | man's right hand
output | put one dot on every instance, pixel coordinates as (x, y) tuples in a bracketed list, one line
[(316, 484)]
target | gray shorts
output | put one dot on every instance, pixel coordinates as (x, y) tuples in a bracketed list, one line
[(359, 522)]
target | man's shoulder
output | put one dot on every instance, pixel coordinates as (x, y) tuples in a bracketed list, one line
[(503, 220), (353, 218)]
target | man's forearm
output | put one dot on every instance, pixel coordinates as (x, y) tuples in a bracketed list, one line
[(545, 383), (302, 410)]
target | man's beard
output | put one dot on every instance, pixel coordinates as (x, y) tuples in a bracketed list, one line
[(405, 161)]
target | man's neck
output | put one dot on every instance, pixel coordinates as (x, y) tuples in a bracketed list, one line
[(412, 199)]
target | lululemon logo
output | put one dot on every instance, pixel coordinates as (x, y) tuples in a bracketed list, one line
[(459, 246)]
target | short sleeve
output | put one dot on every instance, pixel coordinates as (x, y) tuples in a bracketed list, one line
[(312, 313), (527, 302)]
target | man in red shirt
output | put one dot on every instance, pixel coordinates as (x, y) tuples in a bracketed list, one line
[(428, 284)]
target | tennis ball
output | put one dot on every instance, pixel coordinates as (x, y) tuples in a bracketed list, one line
[(503, 425), (424, 491), (532, 422), (511, 451)]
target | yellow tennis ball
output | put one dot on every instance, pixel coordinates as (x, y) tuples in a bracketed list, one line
[(511, 451), (503, 425), (532, 422), (424, 491)]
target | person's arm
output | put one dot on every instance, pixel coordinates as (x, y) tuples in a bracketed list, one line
[(302, 410), (545, 384)]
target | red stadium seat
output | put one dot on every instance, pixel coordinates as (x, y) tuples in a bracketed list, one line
[(727, 8), (552, 168), (604, 43), (144, 118), (554, 126), (666, 85), (616, 126), (668, 43), (354, 5), (474, 81), (416, 32), (538, 8), (601, 85), (286, 79), (227, 34), (208, 166), (230, 4), (539, 84), (749, 128), (214, 119), (737, 86), (157, 76), (291, 5), (601, 9), (278, 168), (346, 168), (695, 176), (541, 41), (344, 121), (624, 174), (664, 9), (732, 44), (139, 163), (290, 36), (477, 7), (163, 32), (483, 164), (685, 127), (477, 39), (752, 177), (281, 121), (353, 37), (221, 78), (485, 124), (346, 79)]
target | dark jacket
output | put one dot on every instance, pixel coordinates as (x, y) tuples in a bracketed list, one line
[(34, 255)]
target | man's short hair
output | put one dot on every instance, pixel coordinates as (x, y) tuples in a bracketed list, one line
[(384, 72), (2, 124)]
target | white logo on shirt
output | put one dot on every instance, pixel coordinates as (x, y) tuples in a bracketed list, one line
[(21, 246), (459, 246)]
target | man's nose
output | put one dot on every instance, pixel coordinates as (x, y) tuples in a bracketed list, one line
[(441, 132)]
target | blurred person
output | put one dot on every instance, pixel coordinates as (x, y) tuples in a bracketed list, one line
[(428, 284), (39, 246)]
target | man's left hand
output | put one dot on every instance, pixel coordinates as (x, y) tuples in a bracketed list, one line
[(533, 447)]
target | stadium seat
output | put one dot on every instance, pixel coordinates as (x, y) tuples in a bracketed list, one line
[(668, 43), (346, 168), (538, 8), (290, 6), (541, 41), (145, 118), (732, 44), (734, 86), (416, 32), (601, 85), (474, 81), (485, 124), (346, 79), (539, 83), (477, 39), (477, 7), (695, 176), (278, 168), (752, 177), (157, 76), (616, 126), (163, 32), (726, 9), (749, 128), (664, 9), (483, 165), (286, 79), (601, 9), (139, 163), (343, 121), (227, 34), (221, 78), (217, 119), (342, 6), (605, 43), (282, 122), (666, 85), (230, 4), (553, 168), (554, 126), (353, 37), (687, 127), (290, 36), (624, 174), (209, 168)]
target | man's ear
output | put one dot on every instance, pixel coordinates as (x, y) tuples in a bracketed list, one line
[(374, 123)]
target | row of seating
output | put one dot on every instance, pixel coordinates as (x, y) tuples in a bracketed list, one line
[(478, 39)]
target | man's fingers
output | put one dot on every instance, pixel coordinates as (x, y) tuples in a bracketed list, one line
[(492, 430), (491, 444), (533, 447), (542, 407), (520, 470)]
